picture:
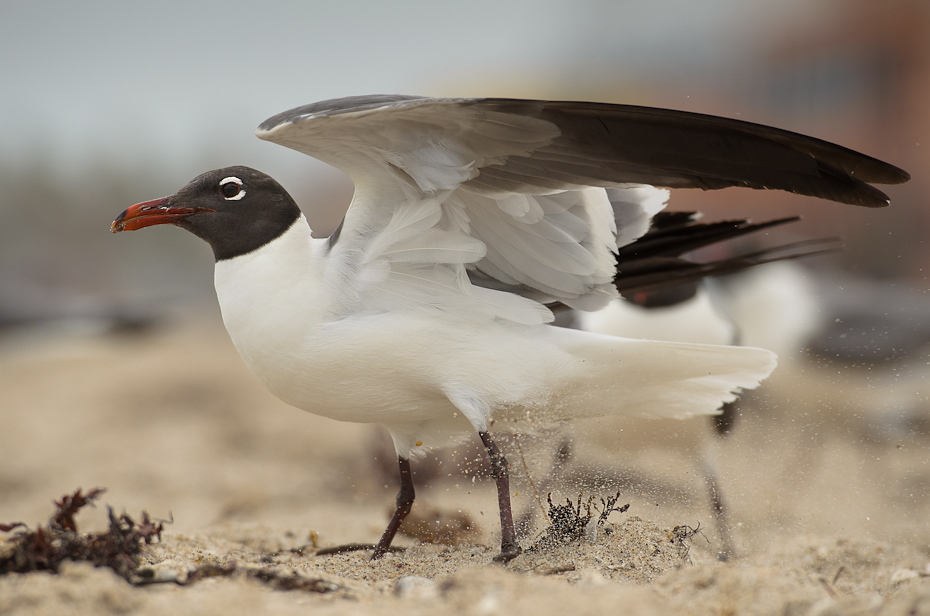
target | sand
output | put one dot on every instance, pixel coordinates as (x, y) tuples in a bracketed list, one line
[(828, 495)]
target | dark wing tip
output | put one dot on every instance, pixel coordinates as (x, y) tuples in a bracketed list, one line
[(844, 189), (885, 173), (863, 169), (655, 273), (703, 151), (867, 196)]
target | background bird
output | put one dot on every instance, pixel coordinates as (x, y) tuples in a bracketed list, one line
[(771, 307)]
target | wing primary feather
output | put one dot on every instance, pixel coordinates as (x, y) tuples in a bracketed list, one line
[(662, 272), (508, 195)]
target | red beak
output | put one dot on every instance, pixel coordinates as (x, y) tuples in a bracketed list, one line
[(155, 212)]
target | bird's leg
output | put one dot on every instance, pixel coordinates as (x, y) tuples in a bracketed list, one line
[(499, 470), (724, 422), (722, 426), (717, 504), (726, 551), (404, 503)]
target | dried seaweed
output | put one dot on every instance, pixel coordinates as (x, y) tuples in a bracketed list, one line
[(47, 547), (274, 576), (682, 536), (5, 528), (567, 524), (120, 548), (292, 580), (69, 505)]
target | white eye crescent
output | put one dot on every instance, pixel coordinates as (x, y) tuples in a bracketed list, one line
[(231, 189)]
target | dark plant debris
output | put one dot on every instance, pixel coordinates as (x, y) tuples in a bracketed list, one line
[(120, 548), (682, 536), (354, 547), (46, 547), (567, 524), (276, 577), (69, 505), (5, 528), (607, 507), (292, 580)]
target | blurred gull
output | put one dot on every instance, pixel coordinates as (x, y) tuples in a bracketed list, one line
[(771, 307)]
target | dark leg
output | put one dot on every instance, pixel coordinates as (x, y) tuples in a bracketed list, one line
[(404, 503), (499, 470), (724, 422), (718, 506), (722, 425)]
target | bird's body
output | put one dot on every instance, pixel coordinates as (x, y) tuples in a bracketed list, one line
[(432, 379), (696, 319), (427, 311)]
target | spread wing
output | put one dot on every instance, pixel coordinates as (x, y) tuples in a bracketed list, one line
[(491, 206)]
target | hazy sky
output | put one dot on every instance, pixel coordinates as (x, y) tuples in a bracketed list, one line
[(179, 81), (161, 91)]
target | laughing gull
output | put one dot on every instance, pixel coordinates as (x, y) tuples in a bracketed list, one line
[(426, 311)]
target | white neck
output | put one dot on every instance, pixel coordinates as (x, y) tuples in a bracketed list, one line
[(269, 297)]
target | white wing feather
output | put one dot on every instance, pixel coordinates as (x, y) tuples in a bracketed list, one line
[(416, 226)]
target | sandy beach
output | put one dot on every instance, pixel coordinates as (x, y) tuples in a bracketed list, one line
[(828, 495)]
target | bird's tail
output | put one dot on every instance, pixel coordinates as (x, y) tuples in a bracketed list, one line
[(621, 376)]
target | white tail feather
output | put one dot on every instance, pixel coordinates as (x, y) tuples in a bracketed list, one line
[(648, 378)]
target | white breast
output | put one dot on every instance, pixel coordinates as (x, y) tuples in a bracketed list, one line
[(363, 367), (271, 300)]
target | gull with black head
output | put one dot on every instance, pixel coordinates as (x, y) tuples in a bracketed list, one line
[(428, 311)]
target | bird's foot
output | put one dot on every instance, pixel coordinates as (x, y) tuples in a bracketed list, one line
[(508, 553)]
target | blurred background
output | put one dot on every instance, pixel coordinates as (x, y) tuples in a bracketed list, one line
[(105, 104)]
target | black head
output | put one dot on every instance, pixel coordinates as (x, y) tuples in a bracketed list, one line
[(236, 210)]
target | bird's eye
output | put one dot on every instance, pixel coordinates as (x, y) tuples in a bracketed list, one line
[(231, 189)]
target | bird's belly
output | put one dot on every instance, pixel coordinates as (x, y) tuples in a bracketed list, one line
[(392, 368), (344, 386)]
